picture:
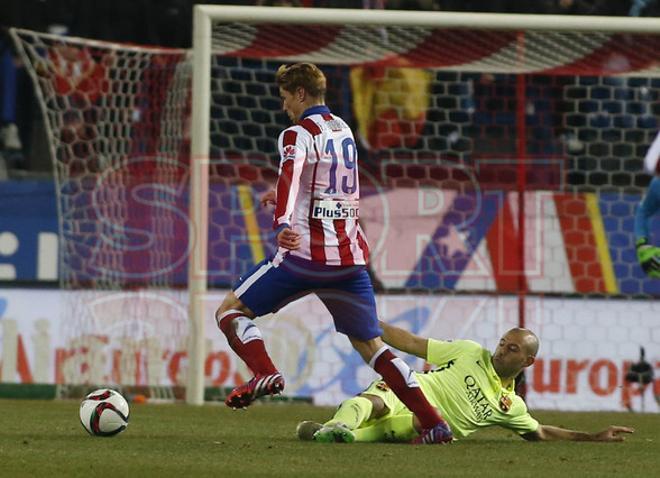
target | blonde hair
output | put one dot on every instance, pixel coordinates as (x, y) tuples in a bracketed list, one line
[(305, 75)]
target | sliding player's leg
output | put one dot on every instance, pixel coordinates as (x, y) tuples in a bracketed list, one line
[(376, 415), (353, 308), (350, 415), (395, 428), (355, 411), (388, 419)]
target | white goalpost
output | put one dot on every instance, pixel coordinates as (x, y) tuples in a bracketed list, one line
[(199, 186)]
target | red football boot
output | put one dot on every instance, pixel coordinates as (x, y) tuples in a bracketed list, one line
[(260, 385)]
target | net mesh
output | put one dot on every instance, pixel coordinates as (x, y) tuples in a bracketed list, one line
[(445, 119), (117, 121), (431, 107)]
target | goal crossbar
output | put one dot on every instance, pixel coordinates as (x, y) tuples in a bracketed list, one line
[(486, 21)]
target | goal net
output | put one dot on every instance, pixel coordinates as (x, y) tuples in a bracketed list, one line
[(116, 118), (503, 157)]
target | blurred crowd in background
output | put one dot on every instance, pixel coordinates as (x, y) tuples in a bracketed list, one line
[(169, 23)]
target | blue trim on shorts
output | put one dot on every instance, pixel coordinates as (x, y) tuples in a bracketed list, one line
[(346, 291)]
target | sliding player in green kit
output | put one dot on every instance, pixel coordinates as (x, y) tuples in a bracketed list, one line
[(470, 387)]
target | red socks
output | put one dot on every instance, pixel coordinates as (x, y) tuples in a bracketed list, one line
[(401, 379), (245, 339)]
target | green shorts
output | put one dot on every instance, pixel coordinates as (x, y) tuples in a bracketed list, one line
[(396, 425), (380, 389)]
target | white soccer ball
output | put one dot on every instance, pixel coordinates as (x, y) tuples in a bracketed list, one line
[(104, 412)]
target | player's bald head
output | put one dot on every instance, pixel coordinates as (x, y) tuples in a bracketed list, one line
[(525, 338)]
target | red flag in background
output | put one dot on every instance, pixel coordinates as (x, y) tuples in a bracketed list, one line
[(390, 105)]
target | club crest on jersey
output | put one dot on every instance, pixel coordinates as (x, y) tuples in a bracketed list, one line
[(505, 403), (289, 152)]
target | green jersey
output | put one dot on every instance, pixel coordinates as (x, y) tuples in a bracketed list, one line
[(468, 391)]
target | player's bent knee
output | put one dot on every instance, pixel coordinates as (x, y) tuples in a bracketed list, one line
[(231, 302), (367, 348), (231, 306), (379, 408)]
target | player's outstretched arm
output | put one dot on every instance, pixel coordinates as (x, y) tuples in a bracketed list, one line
[(404, 340), (548, 432)]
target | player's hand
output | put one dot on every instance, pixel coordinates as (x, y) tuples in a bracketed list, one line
[(288, 239), (648, 257), (613, 433), (268, 198)]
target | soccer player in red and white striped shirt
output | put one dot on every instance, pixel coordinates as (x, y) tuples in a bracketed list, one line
[(322, 249)]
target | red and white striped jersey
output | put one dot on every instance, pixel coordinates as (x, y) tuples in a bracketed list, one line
[(318, 189)]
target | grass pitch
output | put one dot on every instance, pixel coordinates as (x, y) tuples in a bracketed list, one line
[(45, 438)]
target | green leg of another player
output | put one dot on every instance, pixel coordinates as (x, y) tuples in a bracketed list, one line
[(352, 412), (398, 428)]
